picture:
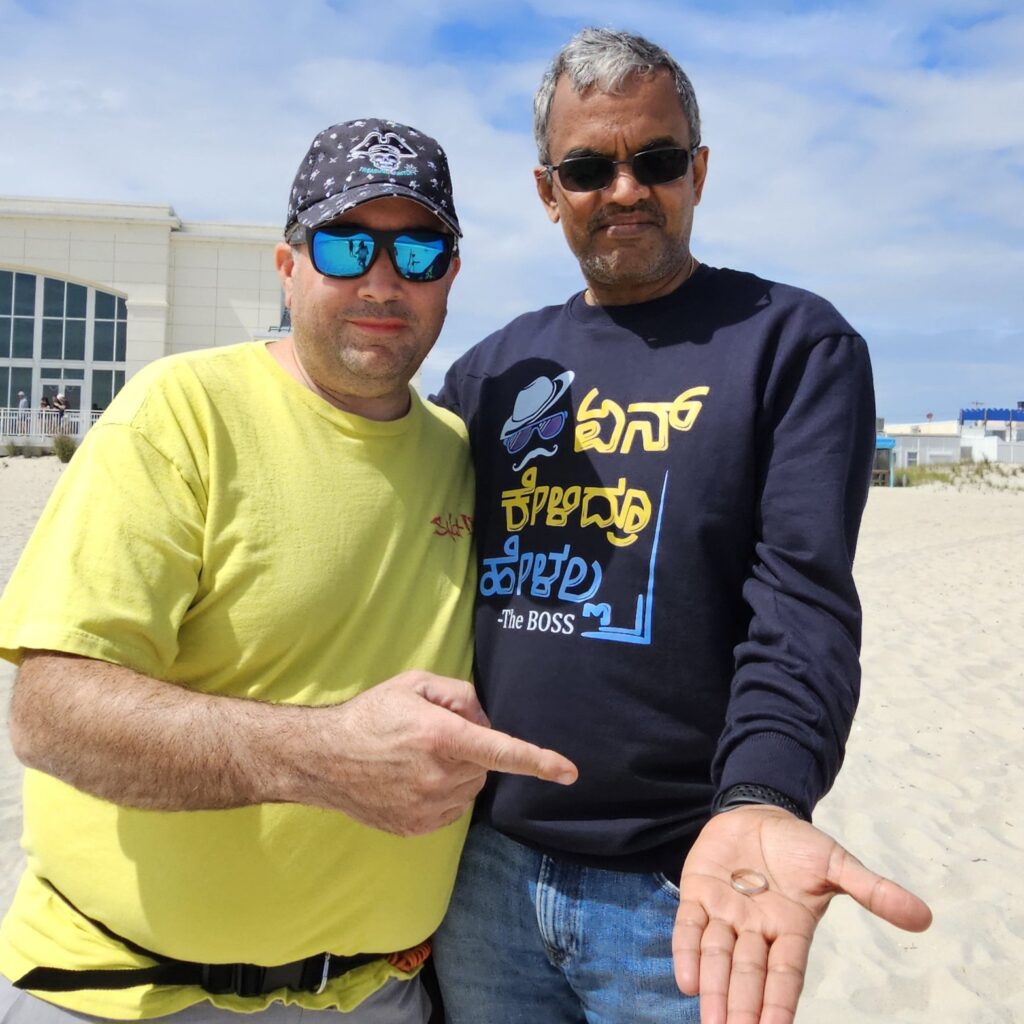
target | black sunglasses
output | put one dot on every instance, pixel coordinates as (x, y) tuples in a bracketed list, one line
[(649, 167), (418, 254)]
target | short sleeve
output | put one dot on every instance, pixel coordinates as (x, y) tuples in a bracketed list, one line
[(114, 562), (448, 396)]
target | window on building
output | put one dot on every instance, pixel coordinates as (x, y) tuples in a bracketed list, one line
[(105, 384), (64, 320), (13, 380), (111, 329), (59, 336), (19, 313)]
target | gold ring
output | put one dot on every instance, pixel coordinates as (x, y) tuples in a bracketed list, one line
[(749, 882)]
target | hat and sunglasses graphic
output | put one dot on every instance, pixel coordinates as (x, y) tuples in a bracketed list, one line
[(532, 415), (546, 428)]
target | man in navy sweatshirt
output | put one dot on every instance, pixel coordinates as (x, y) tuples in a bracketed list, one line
[(671, 471)]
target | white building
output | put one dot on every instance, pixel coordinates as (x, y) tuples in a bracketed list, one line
[(92, 291), (975, 437)]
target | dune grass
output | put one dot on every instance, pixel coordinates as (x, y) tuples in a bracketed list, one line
[(982, 476)]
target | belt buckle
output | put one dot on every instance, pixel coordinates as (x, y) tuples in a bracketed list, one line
[(248, 980), (324, 978)]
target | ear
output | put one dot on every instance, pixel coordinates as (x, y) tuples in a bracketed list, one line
[(546, 190), (453, 270), (284, 260), (700, 172)]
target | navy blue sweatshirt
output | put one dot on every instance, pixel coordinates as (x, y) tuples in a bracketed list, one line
[(668, 500)]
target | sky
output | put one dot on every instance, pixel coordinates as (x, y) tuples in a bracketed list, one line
[(872, 152)]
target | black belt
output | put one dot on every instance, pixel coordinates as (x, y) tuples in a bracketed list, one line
[(309, 975)]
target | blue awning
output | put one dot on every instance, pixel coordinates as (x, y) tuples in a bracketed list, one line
[(979, 415)]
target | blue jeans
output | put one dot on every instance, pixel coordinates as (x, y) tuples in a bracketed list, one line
[(531, 939)]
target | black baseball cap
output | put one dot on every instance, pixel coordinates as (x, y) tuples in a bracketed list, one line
[(355, 162)]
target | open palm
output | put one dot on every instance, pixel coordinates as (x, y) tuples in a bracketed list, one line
[(747, 955)]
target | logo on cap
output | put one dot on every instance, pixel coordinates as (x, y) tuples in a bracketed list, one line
[(385, 152)]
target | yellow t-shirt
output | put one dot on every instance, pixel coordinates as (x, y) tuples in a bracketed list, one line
[(224, 528)]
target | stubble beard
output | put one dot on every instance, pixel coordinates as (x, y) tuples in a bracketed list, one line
[(339, 360), (624, 267)]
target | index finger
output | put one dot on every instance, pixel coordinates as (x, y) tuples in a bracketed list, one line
[(498, 752)]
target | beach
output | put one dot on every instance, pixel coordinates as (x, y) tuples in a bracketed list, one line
[(931, 792)]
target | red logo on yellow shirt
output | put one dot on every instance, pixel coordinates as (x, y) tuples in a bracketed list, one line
[(449, 524)]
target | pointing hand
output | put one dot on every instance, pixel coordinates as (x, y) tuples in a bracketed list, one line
[(409, 755)]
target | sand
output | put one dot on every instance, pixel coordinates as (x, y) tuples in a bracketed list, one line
[(931, 792), (25, 484)]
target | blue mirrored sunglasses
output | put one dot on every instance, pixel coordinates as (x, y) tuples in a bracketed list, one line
[(418, 254)]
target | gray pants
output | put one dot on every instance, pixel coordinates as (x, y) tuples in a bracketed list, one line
[(398, 1002)]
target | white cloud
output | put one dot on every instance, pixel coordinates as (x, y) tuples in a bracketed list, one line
[(872, 152)]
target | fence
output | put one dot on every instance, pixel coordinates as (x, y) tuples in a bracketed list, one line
[(1011, 453), (926, 449), (37, 426)]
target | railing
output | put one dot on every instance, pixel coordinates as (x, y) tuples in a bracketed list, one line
[(38, 426), (1012, 452)]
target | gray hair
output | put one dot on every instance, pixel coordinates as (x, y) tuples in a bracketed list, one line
[(604, 58)]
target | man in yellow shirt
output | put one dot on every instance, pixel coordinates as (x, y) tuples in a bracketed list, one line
[(243, 630)]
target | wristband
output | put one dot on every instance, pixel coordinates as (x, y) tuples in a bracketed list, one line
[(745, 793)]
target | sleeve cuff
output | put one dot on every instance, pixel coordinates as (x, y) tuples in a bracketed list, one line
[(777, 761)]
